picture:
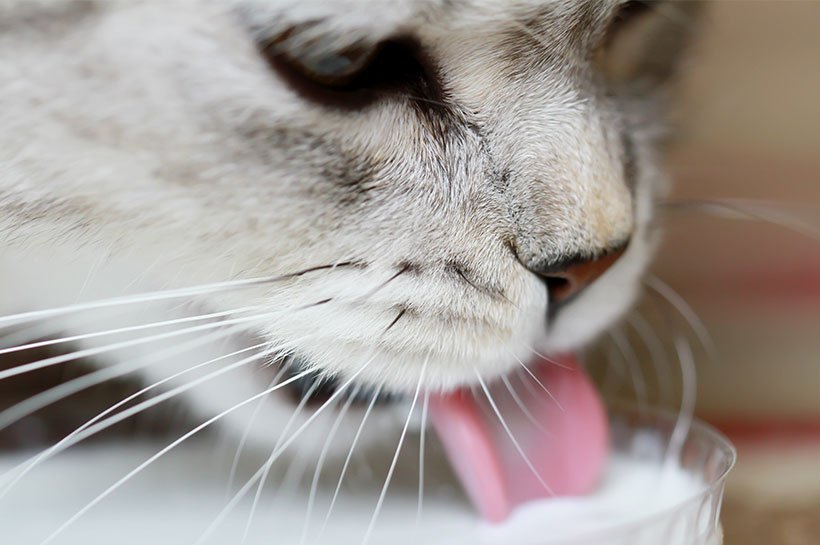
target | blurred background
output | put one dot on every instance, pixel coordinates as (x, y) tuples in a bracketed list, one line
[(750, 120)]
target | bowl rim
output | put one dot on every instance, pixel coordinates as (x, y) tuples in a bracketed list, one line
[(699, 428), (696, 425)]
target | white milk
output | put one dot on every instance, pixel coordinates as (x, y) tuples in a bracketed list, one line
[(176, 499)]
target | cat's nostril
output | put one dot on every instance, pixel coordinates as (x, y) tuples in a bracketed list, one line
[(571, 276), (556, 287)]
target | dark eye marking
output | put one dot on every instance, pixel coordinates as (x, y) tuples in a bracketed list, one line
[(358, 75)]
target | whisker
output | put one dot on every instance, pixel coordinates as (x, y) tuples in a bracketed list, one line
[(246, 432), (398, 317), (609, 384), (162, 452), (35, 330), (392, 468), (489, 292), (128, 329), (511, 436), (297, 467), (277, 452), (72, 438), (688, 401), (422, 436), (296, 412), (532, 376), (52, 395), (631, 359), (526, 382), (686, 311), (94, 351), (515, 397), (164, 294), (410, 96), (77, 435), (657, 353), (314, 485), (537, 381), (347, 460), (548, 359), (686, 409), (384, 284), (744, 209)]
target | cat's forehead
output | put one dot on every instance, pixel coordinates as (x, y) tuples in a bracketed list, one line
[(546, 9), (568, 20)]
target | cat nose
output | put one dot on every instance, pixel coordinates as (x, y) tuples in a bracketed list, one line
[(571, 276)]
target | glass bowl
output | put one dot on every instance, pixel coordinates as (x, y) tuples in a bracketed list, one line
[(192, 482), (704, 455)]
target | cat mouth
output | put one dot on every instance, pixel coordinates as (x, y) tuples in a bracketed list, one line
[(551, 440), (509, 447)]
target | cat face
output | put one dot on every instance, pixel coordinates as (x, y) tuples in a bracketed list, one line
[(415, 167)]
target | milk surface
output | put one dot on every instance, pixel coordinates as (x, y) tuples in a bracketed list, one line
[(174, 500)]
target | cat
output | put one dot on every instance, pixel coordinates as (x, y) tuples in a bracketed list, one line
[(393, 195)]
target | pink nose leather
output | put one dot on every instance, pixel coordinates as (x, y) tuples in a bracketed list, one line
[(571, 280)]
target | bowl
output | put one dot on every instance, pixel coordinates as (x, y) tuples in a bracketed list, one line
[(654, 493)]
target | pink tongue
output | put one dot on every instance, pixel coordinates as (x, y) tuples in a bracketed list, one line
[(567, 445)]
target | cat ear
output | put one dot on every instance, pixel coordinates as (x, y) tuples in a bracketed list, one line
[(646, 41)]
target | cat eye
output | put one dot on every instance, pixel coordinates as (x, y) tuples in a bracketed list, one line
[(353, 76), (335, 69)]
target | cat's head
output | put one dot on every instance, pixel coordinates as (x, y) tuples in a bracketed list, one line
[(451, 184)]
